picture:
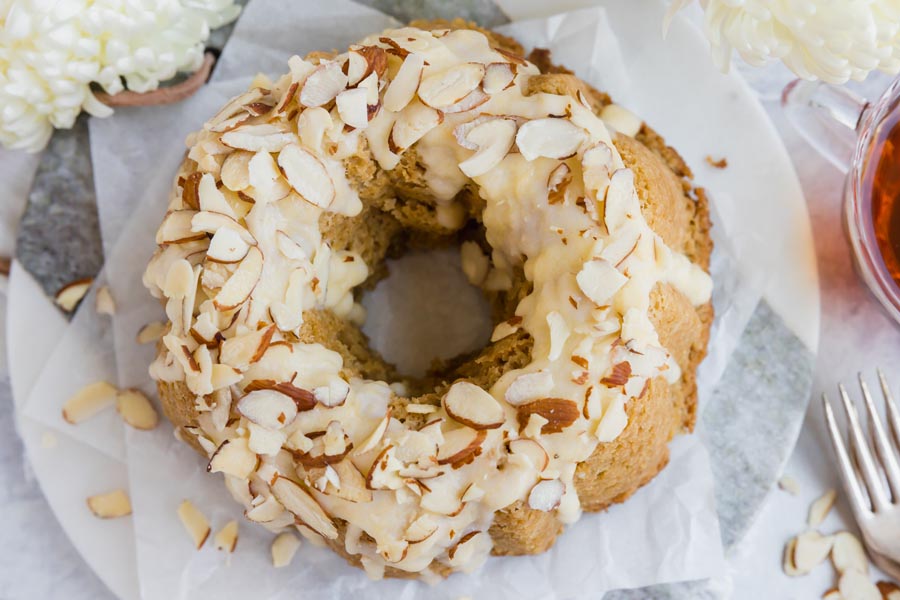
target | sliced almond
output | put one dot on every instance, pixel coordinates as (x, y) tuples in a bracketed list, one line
[(620, 202), (559, 413), (234, 106), (307, 175), (599, 281), (812, 549), (551, 137), (303, 399), (212, 222), (790, 569), (136, 409), (364, 60), (104, 303), (532, 450), (373, 440), (235, 172), (266, 181), (789, 484), (465, 550), (194, 523), (470, 405), (412, 124), (111, 505), (832, 594), (323, 85), (241, 283), (498, 77), (298, 501), (176, 228), (268, 408), (151, 332), (461, 446), (546, 495), (854, 585), (333, 394), (473, 100), (384, 474), (820, 508), (493, 138), (847, 552), (529, 386), (422, 528), (68, 297), (88, 401), (448, 87), (621, 119), (352, 106), (257, 138), (403, 86), (227, 537), (227, 246), (618, 375), (284, 547), (557, 182), (233, 457), (266, 511), (352, 483)]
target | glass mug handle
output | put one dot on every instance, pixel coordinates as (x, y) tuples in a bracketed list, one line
[(826, 116)]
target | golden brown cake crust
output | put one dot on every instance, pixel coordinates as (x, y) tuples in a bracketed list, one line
[(675, 210)]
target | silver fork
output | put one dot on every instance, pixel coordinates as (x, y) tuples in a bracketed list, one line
[(875, 505)]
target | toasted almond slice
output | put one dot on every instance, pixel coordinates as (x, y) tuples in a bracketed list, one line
[(176, 228), (227, 246), (557, 182), (620, 202), (68, 297), (789, 484), (307, 175), (493, 138), (268, 408), (227, 537), (234, 106), (599, 281), (257, 138), (352, 483), (267, 511), (373, 440), (473, 100), (621, 119), (546, 495), (211, 198), (847, 552), (820, 508), (559, 413), (422, 528), (889, 590), (194, 523), (498, 77), (190, 197), (212, 222), (812, 548), (532, 450), (402, 88), (303, 399), (298, 501), (384, 474), (151, 332), (323, 84), (266, 181), (110, 505), (241, 283), (854, 585), (451, 85), (470, 405), (412, 124), (136, 409), (461, 446), (621, 246), (88, 401), (284, 547), (235, 171), (529, 386), (790, 569), (104, 303), (233, 457), (551, 137), (464, 550), (353, 107)]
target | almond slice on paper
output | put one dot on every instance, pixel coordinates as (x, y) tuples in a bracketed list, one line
[(257, 138), (498, 77), (298, 501), (307, 175), (88, 401), (227, 246), (559, 413), (546, 495), (233, 457), (461, 446), (812, 548), (789, 484), (111, 505), (226, 539), (195, 523), (241, 283), (599, 281), (176, 228), (103, 302), (268, 408), (323, 84), (854, 585), (531, 450), (402, 88), (136, 410), (790, 569), (451, 85), (493, 138), (551, 137), (412, 124), (353, 107), (847, 552), (529, 386), (151, 332), (284, 547), (820, 508), (68, 297), (470, 405)]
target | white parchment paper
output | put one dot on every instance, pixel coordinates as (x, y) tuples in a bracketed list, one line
[(667, 531)]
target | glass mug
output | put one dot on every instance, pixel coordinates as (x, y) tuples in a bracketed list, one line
[(861, 138)]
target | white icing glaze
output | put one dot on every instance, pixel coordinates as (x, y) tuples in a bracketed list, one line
[(421, 495)]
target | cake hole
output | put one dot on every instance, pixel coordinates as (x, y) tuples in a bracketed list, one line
[(425, 309)]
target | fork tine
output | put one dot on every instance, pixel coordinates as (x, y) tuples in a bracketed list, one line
[(864, 456), (893, 413), (882, 444), (858, 502)]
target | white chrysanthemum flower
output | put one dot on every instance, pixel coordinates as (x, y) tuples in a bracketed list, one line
[(832, 40), (51, 52)]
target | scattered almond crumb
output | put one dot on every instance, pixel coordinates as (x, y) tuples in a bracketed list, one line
[(110, 505), (789, 485), (227, 537), (720, 163), (283, 549), (194, 523), (104, 302)]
